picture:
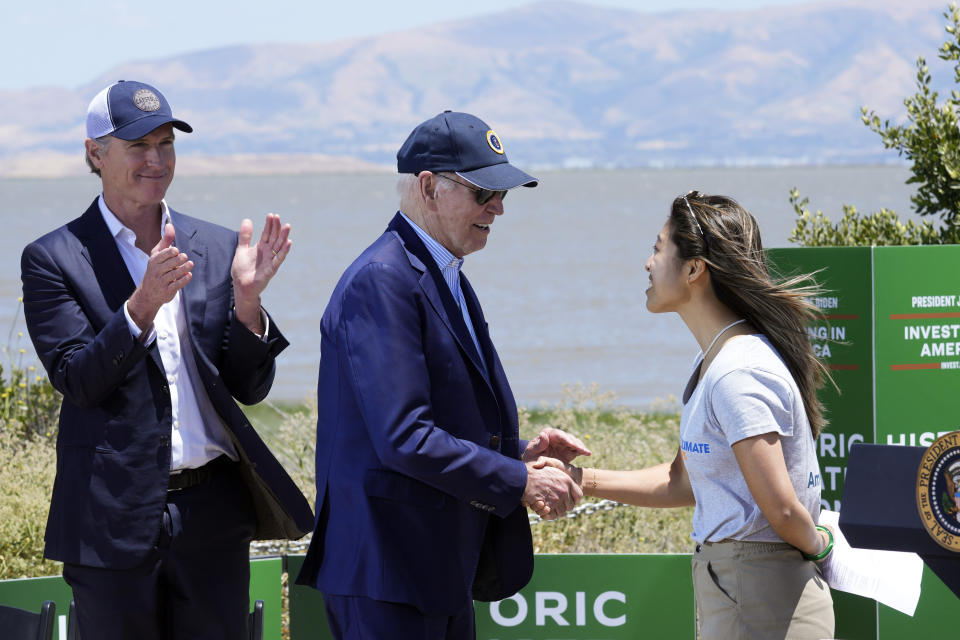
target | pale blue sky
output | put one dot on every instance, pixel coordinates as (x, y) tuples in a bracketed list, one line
[(70, 42)]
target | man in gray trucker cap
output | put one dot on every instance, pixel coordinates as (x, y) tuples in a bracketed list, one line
[(149, 323)]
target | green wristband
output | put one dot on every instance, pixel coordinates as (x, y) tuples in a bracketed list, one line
[(826, 550)]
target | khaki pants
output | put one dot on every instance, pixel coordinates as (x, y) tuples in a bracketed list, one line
[(759, 591)]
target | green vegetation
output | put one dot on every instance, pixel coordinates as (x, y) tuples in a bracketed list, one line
[(27, 467), (28, 403), (619, 439), (29, 409), (930, 140)]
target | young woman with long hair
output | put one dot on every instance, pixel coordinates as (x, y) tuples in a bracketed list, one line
[(747, 457)]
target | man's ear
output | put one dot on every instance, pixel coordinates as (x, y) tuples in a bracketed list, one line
[(428, 185), (93, 152)]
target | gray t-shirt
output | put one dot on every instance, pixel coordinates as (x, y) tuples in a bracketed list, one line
[(747, 391)]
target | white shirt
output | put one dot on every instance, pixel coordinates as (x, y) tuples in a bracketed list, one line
[(746, 391), (197, 433)]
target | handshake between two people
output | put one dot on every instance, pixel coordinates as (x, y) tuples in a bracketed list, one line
[(551, 489)]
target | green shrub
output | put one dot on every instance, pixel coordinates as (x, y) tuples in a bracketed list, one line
[(930, 141), (880, 228), (27, 467), (29, 405)]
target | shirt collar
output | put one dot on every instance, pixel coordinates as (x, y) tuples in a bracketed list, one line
[(441, 255), (117, 228)]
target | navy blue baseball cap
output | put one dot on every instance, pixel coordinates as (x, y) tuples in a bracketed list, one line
[(463, 144), (129, 110)]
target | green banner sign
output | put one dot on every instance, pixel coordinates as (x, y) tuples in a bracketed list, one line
[(571, 597), (844, 341), (892, 342), (601, 597)]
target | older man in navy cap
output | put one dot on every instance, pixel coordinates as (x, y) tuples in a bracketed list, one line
[(421, 475), (149, 323)]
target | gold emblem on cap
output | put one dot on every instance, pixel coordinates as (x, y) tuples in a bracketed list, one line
[(494, 141), (146, 100), (938, 491)]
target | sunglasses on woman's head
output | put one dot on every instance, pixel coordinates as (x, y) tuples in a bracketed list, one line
[(696, 194)]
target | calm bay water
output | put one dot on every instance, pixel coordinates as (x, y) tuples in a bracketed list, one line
[(561, 279)]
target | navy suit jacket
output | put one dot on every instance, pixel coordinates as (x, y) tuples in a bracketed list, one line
[(113, 446), (419, 477)]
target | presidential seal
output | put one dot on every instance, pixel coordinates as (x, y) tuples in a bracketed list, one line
[(938, 491), (494, 141), (146, 100)]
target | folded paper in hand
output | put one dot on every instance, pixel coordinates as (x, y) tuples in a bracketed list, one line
[(890, 577)]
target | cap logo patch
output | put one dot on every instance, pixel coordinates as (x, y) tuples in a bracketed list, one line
[(494, 141), (147, 100)]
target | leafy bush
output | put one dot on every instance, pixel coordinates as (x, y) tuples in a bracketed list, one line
[(930, 140), (881, 228)]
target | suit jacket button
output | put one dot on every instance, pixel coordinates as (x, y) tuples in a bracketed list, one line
[(495, 441)]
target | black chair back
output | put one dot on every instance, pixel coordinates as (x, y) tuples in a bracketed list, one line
[(17, 624), (255, 623)]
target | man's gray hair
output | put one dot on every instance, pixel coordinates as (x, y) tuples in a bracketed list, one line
[(406, 183), (102, 143)]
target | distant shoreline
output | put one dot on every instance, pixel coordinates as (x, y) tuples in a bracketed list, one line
[(54, 164)]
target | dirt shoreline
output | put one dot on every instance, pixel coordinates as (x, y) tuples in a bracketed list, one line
[(53, 164)]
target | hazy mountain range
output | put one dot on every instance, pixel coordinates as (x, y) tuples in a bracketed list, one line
[(564, 84)]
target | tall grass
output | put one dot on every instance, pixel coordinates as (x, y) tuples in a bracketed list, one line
[(29, 409), (619, 438), (27, 467), (29, 405)]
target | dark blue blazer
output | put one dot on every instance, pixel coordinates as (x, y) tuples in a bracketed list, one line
[(419, 477), (113, 446)]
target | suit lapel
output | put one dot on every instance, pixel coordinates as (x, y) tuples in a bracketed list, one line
[(195, 293), (496, 378), (100, 251), (109, 269), (437, 290)]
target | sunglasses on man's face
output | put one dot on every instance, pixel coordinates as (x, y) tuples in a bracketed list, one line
[(483, 195)]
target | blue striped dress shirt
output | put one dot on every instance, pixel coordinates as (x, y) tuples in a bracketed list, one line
[(449, 266)]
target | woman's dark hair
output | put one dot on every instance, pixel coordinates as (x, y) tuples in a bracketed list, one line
[(717, 230)]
